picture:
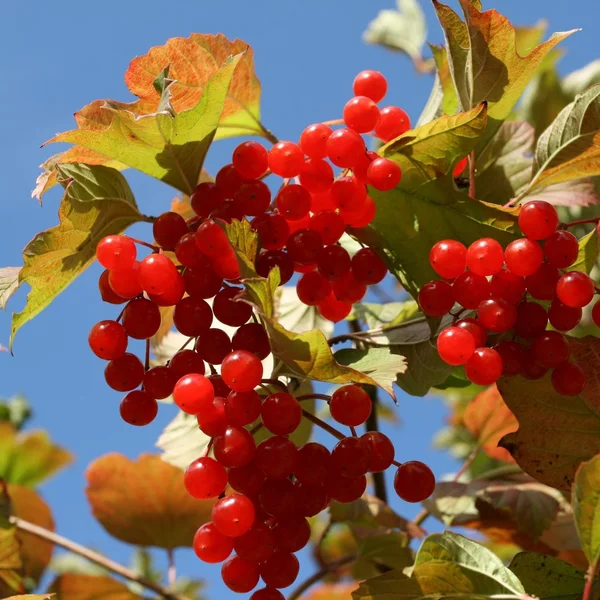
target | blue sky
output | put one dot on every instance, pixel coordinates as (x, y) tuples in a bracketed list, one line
[(58, 58)]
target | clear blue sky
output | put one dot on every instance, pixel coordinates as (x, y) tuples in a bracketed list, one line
[(56, 58)]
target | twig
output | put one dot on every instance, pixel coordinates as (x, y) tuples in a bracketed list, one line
[(276, 383), (472, 175), (326, 426), (313, 396), (147, 357), (93, 556), (589, 584), (316, 577), (172, 569), (595, 220)]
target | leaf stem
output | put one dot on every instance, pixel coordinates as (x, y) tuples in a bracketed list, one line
[(316, 577), (143, 243), (268, 133), (589, 583), (172, 569), (472, 175), (92, 556)]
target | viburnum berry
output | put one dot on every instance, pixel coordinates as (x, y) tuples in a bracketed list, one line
[(550, 349), (205, 198), (106, 291), (242, 408), (448, 258), (523, 257), (455, 345), (345, 148), (596, 314), (350, 457), (513, 357), (291, 534), (250, 159), (313, 140), (312, 288), (313, 463), (281, 413), (138, 408), (273, 230), (108, 340), (275, 258), (210, 545), (192, 316), (168, 229), (333, 309), (383, 174), (205, 478), (347, 289), (561, 249), (212, 420), (563, 317), (362, 216), (126, 283), (345, 489), (371, 84), (248, 479), (125, 373), (304, 246), (229, 311), (505, 284), (116, 252), (460, 166), (276, 457), (361, 114), (381, 451), (226, 266), (484, 367), (193, 393), (469, 289), (186, 252), (350, 405), (575, 289), (286, 159), (293, 202), (475, 328), (532, 320), (267, 593), (316, 175), (159, 382), (414, 481), (497, 315), (328, 224), (241, 370), (186, 362), (252, 198), (228, 179), (173, 294), (542, 284), (277, 497), (240, 575), (435, 298), (531, 369), (333, 262), (253, 338), (141, 318), (348, 194), (213, 345), (234, 448), (257, 544), (568, 379), (485, 257), (393, 122), (538, 219), (157, 273), (367, 267), (280, 569), (310, 499)]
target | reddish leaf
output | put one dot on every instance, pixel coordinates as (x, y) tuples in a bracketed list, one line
[(488, 418), (90, 587), (144, 502)]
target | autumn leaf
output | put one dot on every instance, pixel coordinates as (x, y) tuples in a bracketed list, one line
[(97, 202), (332, 591), (144, 502), (9, 283), (586, 509), (90, 587), (556, 433), (11, 565)]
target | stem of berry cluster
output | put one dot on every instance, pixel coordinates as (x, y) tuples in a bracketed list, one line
[(276, 383), (143, 243), (92, 556), (334, 122), (313, 397), (595, 220), (316, 577), (472, 175)]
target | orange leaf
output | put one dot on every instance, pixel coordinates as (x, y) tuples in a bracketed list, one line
[(144, 502), (488, 418), (35, 552), (333, 591), (90, 587)]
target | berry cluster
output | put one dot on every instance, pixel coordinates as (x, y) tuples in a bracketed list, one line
[(515, 293), (264, 493)]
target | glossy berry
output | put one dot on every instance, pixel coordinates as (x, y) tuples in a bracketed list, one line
[(345, 148), (328, 224), (371, 84), (313, 288), (435, 298), (460, 166), (293, 202), (561, 249), (213, 346), (393, 122), (497, 315), (108, 340), (542, 284), (531, 369), (347, 289), (448, 258), (281, 413), (250, 160), (186, 362), (475, 328), (276, 457), (106, 291), (210, 545), (138, 408), (213, 420), (575, 289), (241, 370), (484, 367), (126, 283), (253, 338), (124, 373), (485, 257), (313, 140), (277, 497), (563, 317), (240, 575), (267, 593), (257, 544), (159, 382), (414, 481), (286, 159), (538, 219), (383, 174), (568, 379), (361, 114), (141, 318), (187, 253), (333, 262), (550, 349), (273, 230), (304, 246), (345, 489), (469, 289), (252, 198), (230, 311), (310, 499), (275, 258), (596, 314), (280, 569), (505, 284), (523, 257), (367, 267), (455, 345), (206, 197), (381, 451), (168, 229), (116, 252), (248, 479), (513, 357), (192, 316), (228, 180), (361, 217), (348, 194), (205, 478), (532, 320), (313, 463), (333, 309), (173, 294), (235, 448), (350, 457), (350, 405), (316, 175), (242, 408), (291, 534), (193, 393)]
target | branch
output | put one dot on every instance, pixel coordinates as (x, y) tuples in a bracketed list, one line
[(316, 577), (472, 175), (93, 556)]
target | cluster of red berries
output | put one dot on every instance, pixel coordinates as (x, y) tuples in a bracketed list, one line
[(515, 293)]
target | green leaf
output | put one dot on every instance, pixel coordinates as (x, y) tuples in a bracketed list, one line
[(484, 62), (449, 100), (16, 410), (296, 316), (547, 577), (182, 441), (171, 149), (390, 313), (389, 549), (9, 283), (449, 562), (570, 147), (425, 368), (556, 433), (97, 202), (403, 30), (589, 247), (586, 508), (394, 585), (30, 458)]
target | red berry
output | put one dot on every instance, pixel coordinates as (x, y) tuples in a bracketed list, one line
[(383, 174), (226, 266), (240, 575), (253, 338), (106, 291), (108, 340), (316, 175), (248, 479), (497, 315), (313, 463), (435, 298), (184, 363), (381, 451), (125, 283), (252, 198), (460, 166), (205, 478), (532, 320), (157, 274), (333, 262), (507, 285), (168, 229), (550, 349), (361, 217), (371, 84), (448, 258), (286, 159), (250, 160), (523, 257), (125, 373), (414, 481), (470, 289), (205, 198), (280, 569), (345, 489), (159, 382), (257, 544), (350, 405), (361, 114), (350, 457), (241, 370), (291, 533), (485, 257), (141, 318), (276, 457), (293, 202), (393, 122), (345, 148), (347, 289), (193, 393), (563, 317), (212, 420), (596, 314), (484, 367), (475, 328), (173, 295), (187, 251), (281, 413), (321, 201), (575, 289), (313, 140), (542, 284), (328, 224), (192, 316), (302, 223), (311, 499), (333, 309), (273, 230), (561, 249), (569, 379), (242, 408), (229, 311), (228, 180), (348, 194), (531, 369), (116, 252), (360, 169), (210, 545), (455, 345), (304, 246), (277, 497), (313, 288), (538, 219), (211, 239), (138, 408), (267, 593), (513, 357), (367, 267), (213, 346), (275, 258), (235, 448)]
